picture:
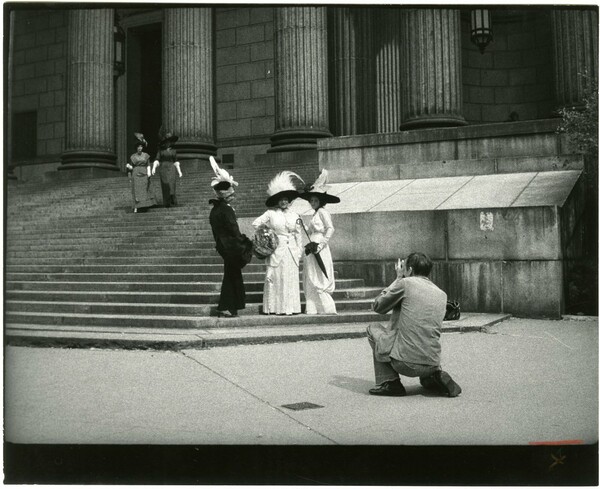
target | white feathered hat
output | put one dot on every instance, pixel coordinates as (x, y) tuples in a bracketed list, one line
[(282, 186), (223, 182), (319, 189)]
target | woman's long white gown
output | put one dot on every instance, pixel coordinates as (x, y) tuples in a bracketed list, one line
[(317, 287), (282, 280)]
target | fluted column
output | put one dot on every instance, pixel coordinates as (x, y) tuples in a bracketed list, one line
[(353, 76), (575, 36), (90, 91), (387, 69), (431, 74), (301, 112), (188, 80)]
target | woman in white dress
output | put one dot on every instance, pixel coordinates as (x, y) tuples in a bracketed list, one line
[(319, 286), (282, 279)]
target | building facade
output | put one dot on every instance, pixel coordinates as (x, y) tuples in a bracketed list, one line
[(434, 142), (246, 81)]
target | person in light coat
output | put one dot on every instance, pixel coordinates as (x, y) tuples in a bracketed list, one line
[(410, 345), (282, 279), (319, 286)]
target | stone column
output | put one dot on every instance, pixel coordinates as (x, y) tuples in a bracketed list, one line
[(188, 81), (10, 174), (90, 91), (387, 70), (431, 73), (575, 37), (353, 76), (301, 112)]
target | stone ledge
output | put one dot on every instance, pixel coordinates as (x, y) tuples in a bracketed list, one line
[(488, 191), (136, 338), (441, 134)]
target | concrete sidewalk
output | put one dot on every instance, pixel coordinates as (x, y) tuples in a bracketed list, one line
[(524, 381), (245, 330)]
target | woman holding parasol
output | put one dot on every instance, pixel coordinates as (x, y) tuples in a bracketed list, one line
[(319, 281)]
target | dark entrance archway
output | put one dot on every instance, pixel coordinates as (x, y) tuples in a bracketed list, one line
[(144, 84)]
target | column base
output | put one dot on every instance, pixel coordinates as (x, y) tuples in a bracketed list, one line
[(296, 140), (88, 173), (194, 150), (78, 159), (442, 120)]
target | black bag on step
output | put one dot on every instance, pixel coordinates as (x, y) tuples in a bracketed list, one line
[(452, 311)]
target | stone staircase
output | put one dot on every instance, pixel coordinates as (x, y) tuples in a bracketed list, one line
[(77, 256)]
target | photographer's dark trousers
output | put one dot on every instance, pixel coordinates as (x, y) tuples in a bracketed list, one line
[(233, 293), (388, 371)]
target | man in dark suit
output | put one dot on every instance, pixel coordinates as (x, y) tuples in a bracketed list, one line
[(234, 247)]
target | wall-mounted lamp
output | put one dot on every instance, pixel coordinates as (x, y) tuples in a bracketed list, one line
[(481, 28), (119, 47)]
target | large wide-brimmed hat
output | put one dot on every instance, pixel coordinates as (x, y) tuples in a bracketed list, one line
[(139, 139), (169, 138), (319, 189), (222, 183), (282, 186), (166, 138)]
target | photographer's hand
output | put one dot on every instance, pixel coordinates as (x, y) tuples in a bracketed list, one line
[(400, 268)]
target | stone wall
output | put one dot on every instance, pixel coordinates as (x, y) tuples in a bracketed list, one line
[(515, 72), (40, 39), (244, 79)]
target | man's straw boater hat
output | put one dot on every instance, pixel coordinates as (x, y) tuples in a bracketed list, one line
[(223, 182), (282, 186), (319, 189)]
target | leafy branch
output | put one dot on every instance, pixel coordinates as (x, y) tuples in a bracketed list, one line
[(581, 124)]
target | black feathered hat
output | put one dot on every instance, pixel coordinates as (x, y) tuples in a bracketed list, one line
[(319, 189)]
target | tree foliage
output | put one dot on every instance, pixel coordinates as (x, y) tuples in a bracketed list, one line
[(581, 124)]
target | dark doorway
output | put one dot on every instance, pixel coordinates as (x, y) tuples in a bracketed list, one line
[(144, 84)]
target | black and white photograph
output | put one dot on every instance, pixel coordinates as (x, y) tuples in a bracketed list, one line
[(300, 244)]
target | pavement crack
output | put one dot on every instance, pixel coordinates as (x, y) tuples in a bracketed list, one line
[(263, 401), (555, 338)]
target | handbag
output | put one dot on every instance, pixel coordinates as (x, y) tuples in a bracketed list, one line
[(264, 242), (452, 311)]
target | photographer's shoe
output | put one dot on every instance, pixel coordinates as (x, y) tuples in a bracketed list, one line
[(389, 388), (429, 383), (445, 383)]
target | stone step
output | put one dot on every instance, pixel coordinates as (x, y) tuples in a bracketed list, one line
[(140, 259), (148, 268), (183, 231), (116, 223), (140, 276), (151, 286), (140, 241), (250, 317), (122, 252), (214, 335), (164, 296), (108, 246), (176, 309), (75, 227)]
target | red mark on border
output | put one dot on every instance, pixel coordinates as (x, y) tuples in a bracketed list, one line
[(559, 442)]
